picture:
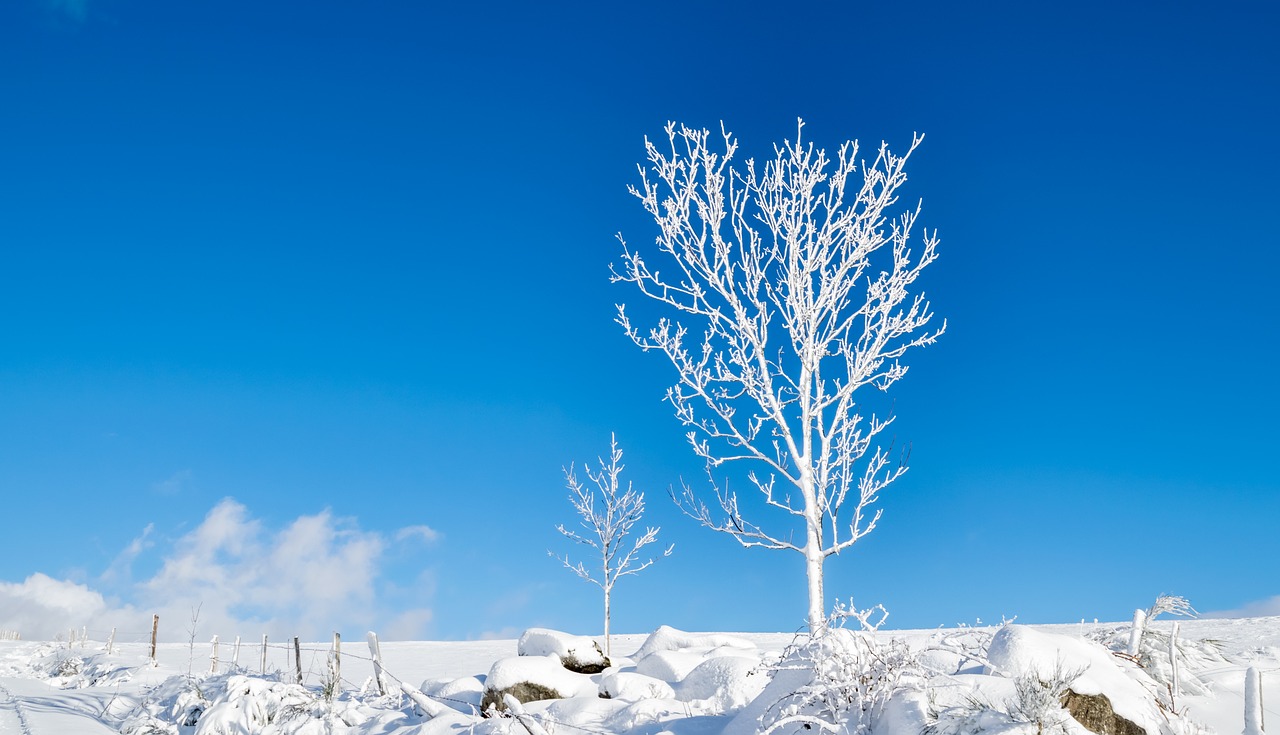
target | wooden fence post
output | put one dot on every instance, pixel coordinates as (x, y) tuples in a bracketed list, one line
[(337, 661), (1174, 683), (111, 640), (213, 655), (1135, 633), (235, 654), (375, 652), (297, 657), (1253, 702), (264, 653), (155, 626)]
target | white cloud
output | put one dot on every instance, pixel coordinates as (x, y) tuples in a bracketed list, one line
[(1255, 609), (426, 533), (41, 608), (310, 578), (316, 575)]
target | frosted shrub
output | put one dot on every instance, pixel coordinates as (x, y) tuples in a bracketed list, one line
[(1037, 698), (845, 678)]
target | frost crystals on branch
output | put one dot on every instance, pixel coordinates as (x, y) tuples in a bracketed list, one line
[(607, 524), (790, 289)]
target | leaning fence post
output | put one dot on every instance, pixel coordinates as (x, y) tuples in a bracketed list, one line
[(375, 652), (111, 639), (213, 655), (235, 654), (264, 653), (297, 657), (155, 625), (1135, 633), (1174, 684)]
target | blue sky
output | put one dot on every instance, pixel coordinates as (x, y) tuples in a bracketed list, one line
[(326, 284)]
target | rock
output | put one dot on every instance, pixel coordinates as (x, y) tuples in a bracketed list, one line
[(580, 654), (1094, 712), (533, 678), (524, 691)]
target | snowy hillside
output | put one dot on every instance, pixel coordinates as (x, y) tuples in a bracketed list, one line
[(941, 682)]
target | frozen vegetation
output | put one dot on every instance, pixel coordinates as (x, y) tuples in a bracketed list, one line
[(1008, 680)]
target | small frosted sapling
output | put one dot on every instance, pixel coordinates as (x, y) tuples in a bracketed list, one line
[(607, 520)]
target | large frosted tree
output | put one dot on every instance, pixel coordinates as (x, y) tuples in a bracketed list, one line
[(788, 292)]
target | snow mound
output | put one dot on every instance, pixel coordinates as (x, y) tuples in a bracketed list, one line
[(632, 686), (462, 694), (577, 652), (670, 666), (723, 684), (667, 638)]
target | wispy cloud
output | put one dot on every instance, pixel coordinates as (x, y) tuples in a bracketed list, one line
[(176, 483), (1256, 609), (76, 10), (121, 568), (425, 533)]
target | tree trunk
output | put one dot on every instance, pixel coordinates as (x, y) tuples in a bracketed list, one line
[(607, 646), (813, 558)]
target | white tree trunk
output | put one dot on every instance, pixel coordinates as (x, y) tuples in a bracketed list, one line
[(608, 648)]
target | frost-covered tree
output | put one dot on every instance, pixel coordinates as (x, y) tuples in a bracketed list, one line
[(791, 292), (607, 520)]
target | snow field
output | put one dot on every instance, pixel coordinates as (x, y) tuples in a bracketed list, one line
[(960, 681)]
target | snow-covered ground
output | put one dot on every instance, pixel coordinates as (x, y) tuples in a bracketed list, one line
[(941, 682)]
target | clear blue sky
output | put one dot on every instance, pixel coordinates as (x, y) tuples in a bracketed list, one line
[(349, 262)]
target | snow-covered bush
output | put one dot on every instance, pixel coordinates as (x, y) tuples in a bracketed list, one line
[(834, 680), (1038, 698)]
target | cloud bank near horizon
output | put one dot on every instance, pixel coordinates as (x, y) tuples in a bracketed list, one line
[(230, 575)]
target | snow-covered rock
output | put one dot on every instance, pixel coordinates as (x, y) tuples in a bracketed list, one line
[(577, 653), (534, 678)]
